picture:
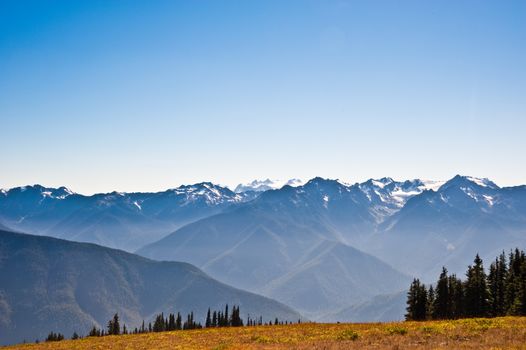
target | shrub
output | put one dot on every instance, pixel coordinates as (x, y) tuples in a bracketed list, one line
[(348, 334), (397, 330)]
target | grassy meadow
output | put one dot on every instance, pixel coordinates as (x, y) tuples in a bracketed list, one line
[(496, 333)]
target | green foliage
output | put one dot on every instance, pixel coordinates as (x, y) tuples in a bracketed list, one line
[(114, 327), (501, 292), (397, 330), (348, 334), (52, 336), (476, 293), (417, 302)]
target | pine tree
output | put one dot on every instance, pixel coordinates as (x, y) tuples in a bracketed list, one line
[(497, 285), (178, 322), (441, 305), (477, 297), (515, 297), (236, 318), (456, 297), (171, 322), (412, 300), (110, 326), (159, 323), (52, 336), (114, 327), (94, 332), (417, 302), (208, 322), (430, 302), (214, 319)]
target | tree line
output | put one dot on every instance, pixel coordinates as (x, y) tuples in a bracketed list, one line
[(500, 292), (173, 322)]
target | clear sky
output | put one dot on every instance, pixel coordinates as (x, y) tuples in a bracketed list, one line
[(147, 95)]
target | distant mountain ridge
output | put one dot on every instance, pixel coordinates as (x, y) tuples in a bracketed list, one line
[(118, 220), (48, 284), (283, 241), (265, 185), (414, 226)]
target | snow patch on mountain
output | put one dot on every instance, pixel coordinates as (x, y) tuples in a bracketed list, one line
[(268, 184), (325, 201), (207, 191), (489, 199), (482, 182)]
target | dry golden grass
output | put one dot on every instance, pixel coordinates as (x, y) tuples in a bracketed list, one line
[(497, 333)]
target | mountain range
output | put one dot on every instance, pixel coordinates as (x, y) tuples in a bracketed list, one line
[(322, 247), (118, 220), (308, 245), (265, 185), (49, 284)]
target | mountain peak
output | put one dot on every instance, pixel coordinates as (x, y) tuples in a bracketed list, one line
[(381, 183), (268, 184), (50, 192), (318, 181), (460, 180)]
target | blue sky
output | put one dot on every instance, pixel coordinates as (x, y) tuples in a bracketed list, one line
[(147, 95)]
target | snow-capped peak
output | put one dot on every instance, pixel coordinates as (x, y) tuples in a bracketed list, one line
[(384, 181), (46, 192), (431, 184), (394, 194), (268, 184), (207, 191), (482, 182), (468, 181)]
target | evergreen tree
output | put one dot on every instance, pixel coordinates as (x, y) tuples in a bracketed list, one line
[(236, 318), (455, 304), (52, 336), (515, 295), (430, 302), (171, 322), (214, 319), (441, 304), (94, 332), (208, 322), (159, 323), (497, 285), (417, 302), (178, 322), (477, 297), (114, 327)]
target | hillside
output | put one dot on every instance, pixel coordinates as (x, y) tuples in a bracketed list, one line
[(499, 333), (51, 284), (286, 245), (117, 220), (447, 227), (322, 247)]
